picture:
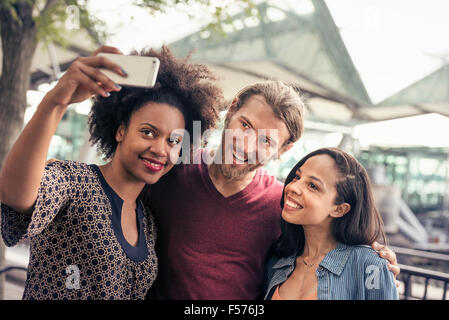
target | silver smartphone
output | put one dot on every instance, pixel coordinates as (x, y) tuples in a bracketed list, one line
[(142, 71)]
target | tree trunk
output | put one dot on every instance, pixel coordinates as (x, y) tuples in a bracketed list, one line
[(19, 41)]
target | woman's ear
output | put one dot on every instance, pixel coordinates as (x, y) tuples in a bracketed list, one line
[(341, 210), (120, 133)]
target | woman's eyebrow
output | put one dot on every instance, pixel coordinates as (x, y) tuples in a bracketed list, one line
[(312, 177), (171, 134), (316, 179), (150, 125)]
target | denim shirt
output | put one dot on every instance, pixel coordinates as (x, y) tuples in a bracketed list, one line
[(345, 273)]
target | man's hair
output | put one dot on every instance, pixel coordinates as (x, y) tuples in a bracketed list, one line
[(286, 103), (180, 83), (360, 226)]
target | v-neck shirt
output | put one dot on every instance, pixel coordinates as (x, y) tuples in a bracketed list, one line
[(237, 198), (136, 253), (211, 246), (77, 248)]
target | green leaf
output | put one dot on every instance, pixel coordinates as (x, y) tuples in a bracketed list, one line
[(8, 5)]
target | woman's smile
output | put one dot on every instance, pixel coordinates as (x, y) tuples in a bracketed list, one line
[(153, 165), (291, 204)]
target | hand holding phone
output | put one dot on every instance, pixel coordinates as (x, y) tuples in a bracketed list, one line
[(142, 71)]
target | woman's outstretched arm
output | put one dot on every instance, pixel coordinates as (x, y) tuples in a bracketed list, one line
[(24, 166)]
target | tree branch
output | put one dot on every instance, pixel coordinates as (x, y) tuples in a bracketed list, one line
[(48, 5)]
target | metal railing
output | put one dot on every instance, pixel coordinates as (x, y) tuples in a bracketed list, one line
[(409, 272), (406, 275)]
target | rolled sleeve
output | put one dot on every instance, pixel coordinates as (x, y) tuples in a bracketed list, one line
[(53, 195)]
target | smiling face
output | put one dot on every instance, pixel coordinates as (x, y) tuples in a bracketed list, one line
[(253, 135), (309, 199), (154, 132)]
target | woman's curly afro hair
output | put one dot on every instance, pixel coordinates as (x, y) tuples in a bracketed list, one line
[(180, 83)]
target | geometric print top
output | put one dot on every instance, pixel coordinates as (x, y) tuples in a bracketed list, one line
[(77, 247)]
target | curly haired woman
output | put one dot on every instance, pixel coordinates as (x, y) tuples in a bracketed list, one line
[(90, 235)]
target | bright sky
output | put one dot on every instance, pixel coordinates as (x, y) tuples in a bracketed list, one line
[(430, 130), (134, 28), (392, 44)]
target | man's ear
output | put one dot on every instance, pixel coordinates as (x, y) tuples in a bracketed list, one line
[(284, 149), (232, 108), (341, 210), (234, 102), (119, 135)]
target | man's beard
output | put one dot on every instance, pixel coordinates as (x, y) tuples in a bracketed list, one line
[(234, 171), (231, 173)]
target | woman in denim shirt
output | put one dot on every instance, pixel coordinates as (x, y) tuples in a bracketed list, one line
[(328, 221)]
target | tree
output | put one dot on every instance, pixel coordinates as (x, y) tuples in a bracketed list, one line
[(25, 22)]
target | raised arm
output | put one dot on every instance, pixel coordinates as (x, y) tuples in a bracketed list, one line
[(24, 166)]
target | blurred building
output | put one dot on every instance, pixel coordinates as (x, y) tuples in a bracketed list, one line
[(303, 47)]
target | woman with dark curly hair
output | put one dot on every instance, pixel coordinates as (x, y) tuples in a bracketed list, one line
[(90, 235)]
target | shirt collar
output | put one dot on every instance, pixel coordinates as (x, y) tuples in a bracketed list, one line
[(334, 261), (284, 262)]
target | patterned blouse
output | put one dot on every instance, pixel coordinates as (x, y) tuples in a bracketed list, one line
[(77, 247)]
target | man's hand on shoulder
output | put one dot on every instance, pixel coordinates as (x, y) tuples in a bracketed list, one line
[(390, 256)]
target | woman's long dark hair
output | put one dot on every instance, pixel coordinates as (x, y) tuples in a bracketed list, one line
[(361, 225)]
